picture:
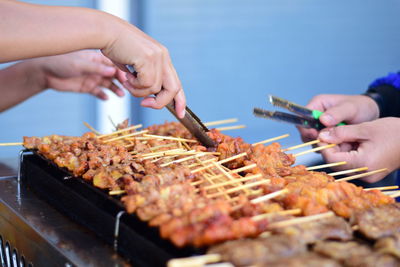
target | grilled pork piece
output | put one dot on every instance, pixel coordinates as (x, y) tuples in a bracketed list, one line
[(378, 222), (308, 259), (248, 252), (335, 228), (389, 245), (355, 254)]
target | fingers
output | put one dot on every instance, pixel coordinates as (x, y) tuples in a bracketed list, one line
[(342, 134), (343, 112), (307, 134), (180, 104)]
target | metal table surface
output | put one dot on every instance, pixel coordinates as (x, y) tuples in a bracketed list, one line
[(32, 230)]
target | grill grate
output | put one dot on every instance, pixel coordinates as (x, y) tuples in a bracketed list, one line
[(11, 259)]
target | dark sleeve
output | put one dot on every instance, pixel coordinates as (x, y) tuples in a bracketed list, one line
[(386, 93)]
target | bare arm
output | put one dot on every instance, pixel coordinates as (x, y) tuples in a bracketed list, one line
[(18, 83), (28, 30)]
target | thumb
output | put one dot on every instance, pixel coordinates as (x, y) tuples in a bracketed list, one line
[(334, 115), (341, 134)]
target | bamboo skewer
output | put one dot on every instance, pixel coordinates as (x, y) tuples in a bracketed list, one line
[(228, 175), (302, 220), (357, 176), (326, 165), (270, 214), (383, 188), (314, 150), (194, 261), (200, 154), (220, 190), (251, 166), (12, 144), (235, 127), (170, 138), (91, 128), (236, 180), (212, 123), (271, 139), (125, 136), (204, 161), (348, 171), (220, 162), (302, 145), (269, 196), (235, 189), (394, 195), (116, 192), (134, 127), (161, 146)]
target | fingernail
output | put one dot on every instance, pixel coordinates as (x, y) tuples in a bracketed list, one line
[(328, 119), (324, 135), (182, 114)]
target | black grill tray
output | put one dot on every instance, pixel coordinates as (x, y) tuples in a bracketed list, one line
[(96, 210)]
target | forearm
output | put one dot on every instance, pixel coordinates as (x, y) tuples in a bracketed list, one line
[(19, 82), (29, 30)]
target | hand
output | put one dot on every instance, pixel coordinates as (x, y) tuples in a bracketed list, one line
[(372, 144), (351, 109), (156, 74), (84, 72)]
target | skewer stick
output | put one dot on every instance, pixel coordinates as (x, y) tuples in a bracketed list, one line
[(161, 146), (251, 166), (236, 180), (221, 162), (12, 144), (357, 176), (134, 127), (231, 128), (348, 171), (228, 175), (195, 261), (271, 139), (394, 195), (314, 150), (235, 189), (390, 192), (116, 192), (212, 123), (302, 145), (270, 214), (302, 220), (326, 165), (383, 188), (204, 161), (170, 138), (125, 136), (201, 154), (269, 196), (206, 177), (91, 128)]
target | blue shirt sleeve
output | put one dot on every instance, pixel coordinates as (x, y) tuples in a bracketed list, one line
[(392, 79)]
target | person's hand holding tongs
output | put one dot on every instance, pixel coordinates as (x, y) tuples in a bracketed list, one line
[(192, 123), (306, 118)]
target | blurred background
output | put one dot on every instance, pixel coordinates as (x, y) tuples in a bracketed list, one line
[(230, 55)]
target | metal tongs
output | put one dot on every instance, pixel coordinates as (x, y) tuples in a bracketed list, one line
[(306, 118), (190, 121)]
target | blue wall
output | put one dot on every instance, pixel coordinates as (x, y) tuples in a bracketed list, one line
[(231, 54)]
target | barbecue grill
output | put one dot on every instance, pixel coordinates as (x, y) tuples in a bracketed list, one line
[(33, 233)]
